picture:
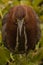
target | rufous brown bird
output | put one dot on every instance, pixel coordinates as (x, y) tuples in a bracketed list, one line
[(21, 29)]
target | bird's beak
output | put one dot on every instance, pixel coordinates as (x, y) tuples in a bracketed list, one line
[(20, 24)]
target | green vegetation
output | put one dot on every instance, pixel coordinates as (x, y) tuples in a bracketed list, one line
[(34, 57)]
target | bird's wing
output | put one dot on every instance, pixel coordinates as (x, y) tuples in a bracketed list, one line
[(34, 23)]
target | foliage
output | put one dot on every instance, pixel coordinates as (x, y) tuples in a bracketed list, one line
[(4, 55), (34, 57)]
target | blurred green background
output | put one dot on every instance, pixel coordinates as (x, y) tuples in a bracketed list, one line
[(34, 57)]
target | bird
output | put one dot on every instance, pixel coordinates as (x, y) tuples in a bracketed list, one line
[(21, 29)]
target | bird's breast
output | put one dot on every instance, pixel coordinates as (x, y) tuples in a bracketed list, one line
[(21, 40)]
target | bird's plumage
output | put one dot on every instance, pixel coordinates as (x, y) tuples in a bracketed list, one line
[(31, 33)]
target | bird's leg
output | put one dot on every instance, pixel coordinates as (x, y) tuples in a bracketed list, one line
[(10, 60), (11, 57)]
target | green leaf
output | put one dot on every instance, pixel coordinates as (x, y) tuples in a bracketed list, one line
[(25, 2), (36, 2), (4, 55)]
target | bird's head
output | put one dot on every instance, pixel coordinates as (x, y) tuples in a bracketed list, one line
[(20, 15)]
